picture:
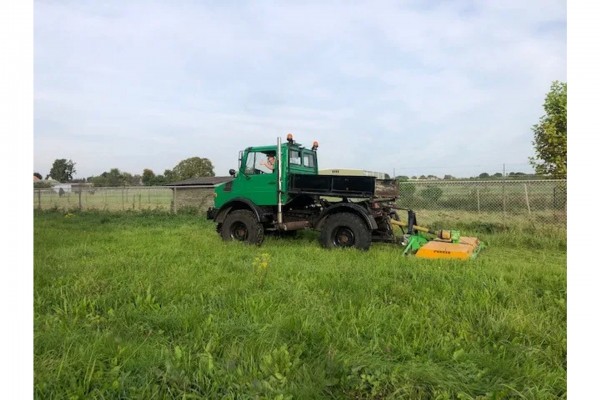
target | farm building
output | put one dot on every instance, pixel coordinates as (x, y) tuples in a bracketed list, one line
[(62, 188), (196, 192)]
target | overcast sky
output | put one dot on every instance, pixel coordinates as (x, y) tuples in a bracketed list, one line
[(413, 87)]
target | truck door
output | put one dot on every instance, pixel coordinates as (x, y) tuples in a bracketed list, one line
[(261, 182)]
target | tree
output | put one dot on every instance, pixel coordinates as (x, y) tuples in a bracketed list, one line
[(148, 177), (484, 175), (131, 180), (194, 167), (169, 176), (448, 177), (62, 170), (160, 180), (38, 175), (497, 175), (550, 134), (112, 178)]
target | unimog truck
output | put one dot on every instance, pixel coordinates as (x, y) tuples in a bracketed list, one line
[(348, 211)]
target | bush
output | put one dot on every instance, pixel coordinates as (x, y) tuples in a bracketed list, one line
[(432, 193), (406, 190), (42, 185)]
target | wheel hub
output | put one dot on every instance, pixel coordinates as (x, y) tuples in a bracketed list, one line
[(239, 231), (343, 237)]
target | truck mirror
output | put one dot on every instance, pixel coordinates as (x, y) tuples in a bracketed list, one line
[(232, 172)]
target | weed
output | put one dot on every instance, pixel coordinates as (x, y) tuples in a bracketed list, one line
[(261, 267)]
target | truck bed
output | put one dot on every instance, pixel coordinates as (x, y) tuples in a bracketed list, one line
[(341, 186)]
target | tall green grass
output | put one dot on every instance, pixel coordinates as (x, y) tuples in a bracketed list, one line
[(153, 305)]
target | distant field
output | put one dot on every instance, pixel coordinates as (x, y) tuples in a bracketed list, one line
[(510, 203), (151, 305)]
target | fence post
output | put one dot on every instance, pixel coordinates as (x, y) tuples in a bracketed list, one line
[(527, 199), (565, 205), (504, 201), (123, 198), (478, 203), (80, 199), (175, 199), (39, 193)]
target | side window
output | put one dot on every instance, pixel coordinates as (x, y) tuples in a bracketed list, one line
[(295, 157), (308, 159), (250, 164), (261, 160), (257, 163)]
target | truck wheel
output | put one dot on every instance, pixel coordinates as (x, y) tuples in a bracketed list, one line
[(345, 230), (242, 225)]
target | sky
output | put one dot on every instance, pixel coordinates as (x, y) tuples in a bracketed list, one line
[(405, 88)]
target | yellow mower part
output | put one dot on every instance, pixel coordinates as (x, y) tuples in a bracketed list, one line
[(441, 249)]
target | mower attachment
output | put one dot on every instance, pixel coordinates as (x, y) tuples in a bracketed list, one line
[(445, 244), (464, 249)]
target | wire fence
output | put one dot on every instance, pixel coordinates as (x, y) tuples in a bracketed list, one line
[(126, 198), (497, 200), (541, 200)]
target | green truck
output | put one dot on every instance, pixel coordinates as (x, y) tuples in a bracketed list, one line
[(349, 211), (278, 189)]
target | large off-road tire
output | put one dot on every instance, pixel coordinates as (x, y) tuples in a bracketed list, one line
[(242, 225), (345, 230)]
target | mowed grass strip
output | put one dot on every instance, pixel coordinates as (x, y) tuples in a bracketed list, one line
[(154, 305)]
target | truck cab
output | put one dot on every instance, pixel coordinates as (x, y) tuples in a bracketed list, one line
[(255, 182)]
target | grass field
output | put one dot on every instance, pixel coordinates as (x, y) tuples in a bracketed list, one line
[(153, 305)]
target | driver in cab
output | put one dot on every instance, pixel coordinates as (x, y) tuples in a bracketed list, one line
[(270, 162)]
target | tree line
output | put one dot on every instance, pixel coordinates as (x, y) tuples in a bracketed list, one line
[(483, 175), (63, 170)]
